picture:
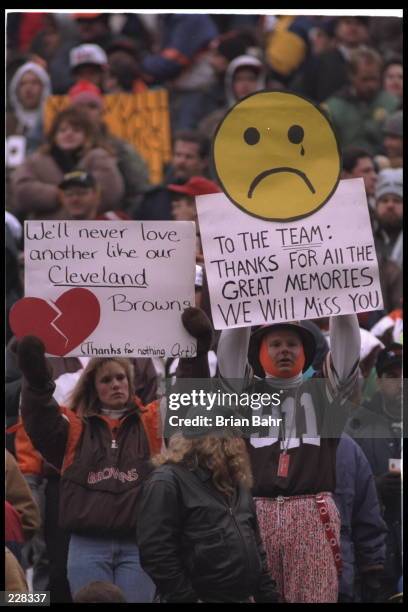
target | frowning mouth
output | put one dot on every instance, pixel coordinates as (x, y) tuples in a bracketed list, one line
[(266, 173)]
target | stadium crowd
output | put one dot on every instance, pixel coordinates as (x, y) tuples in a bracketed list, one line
[(165, 535)]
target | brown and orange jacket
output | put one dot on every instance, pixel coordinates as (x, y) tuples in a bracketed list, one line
[(103, 462)]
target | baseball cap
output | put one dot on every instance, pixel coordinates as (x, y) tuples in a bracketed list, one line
[(393, 125), (196, 185), (390, 181), (78, 178), (87, 54), (388, 358)]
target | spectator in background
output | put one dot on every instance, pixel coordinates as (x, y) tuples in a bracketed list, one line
[(224, 49), (88, 63), (393, 142), (88, 98), (393, 77), (244, 76), (386, 35), (80, 197), (321, 35), (324, 74), (358, 163), (28, 91), (183, 205), (390, 328), (377, 428), (123, 73), (94, 28), (53, 44), (19, 496), (363, 530), (73, 143), (360, 109), (389, 213), (182, 65), (14, 282), (190, 158)]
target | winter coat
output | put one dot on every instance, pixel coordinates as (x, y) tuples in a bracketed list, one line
[(197, 545), (14, 574), (363, 530), (359, 123), (35, 183), (18, 494), (134, 172), (102, 462), (372, 430)]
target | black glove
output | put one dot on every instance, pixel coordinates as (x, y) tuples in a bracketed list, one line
[(388, 485), (372, 587), (32, 362), (197, 324)]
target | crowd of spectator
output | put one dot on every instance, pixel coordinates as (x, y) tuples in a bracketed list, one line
[(77, 168)]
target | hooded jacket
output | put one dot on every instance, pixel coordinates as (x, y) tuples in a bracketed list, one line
[(210, 123), (27, 122)]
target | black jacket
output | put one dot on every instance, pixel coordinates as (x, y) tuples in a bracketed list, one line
[(197, 546)]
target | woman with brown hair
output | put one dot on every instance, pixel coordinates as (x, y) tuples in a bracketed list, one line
[(197, 529), (102, 446), (72, 144)]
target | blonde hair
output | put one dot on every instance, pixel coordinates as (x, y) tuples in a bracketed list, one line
[(225, 456), (84, 399)]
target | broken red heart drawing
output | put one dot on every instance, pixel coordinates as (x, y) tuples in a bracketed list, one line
[(61, 325)]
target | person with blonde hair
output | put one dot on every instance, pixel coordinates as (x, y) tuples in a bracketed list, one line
[(197, 530), (102, 444)]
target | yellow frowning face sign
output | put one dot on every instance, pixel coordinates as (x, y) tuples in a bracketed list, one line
[(276, 156)]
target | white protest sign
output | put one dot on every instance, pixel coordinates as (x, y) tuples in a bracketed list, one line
[(108, 288), (263, 271)]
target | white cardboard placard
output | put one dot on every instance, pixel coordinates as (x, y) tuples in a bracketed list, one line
[(262, 271), (142, 274)]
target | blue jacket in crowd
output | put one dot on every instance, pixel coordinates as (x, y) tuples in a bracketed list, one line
[(363, 530)]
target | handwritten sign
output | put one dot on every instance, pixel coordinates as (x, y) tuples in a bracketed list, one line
[(141, 119), (141, 274), (263, 271)]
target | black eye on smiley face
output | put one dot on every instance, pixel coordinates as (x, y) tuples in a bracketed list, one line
[(295, 135), (251, 136)]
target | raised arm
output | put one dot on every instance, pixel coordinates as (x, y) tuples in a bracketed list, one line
[(341, 364), (232, 352), (45, 425)]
